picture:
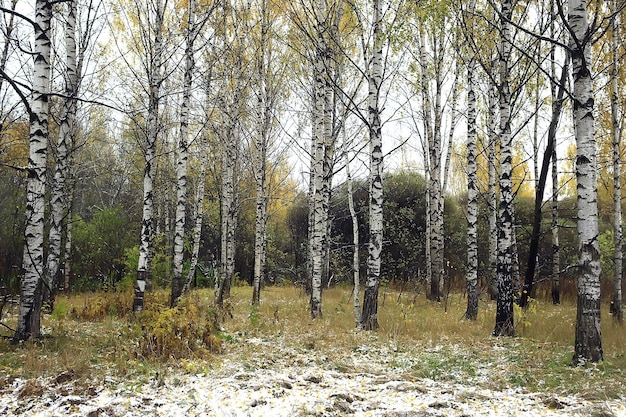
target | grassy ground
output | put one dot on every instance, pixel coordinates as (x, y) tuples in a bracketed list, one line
[(91, 335)]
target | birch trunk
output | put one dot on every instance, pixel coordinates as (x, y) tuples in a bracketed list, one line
[(355, 241), (28, 321), (436, 194), (181, 163), (492, 198), (472, 198), (588, 340), (198, 215), (369, 317), (453, 117), (260, 156), (229, 211), (556, 256), (155, 79), (58, 200), (319, 224), (617, 309), (504, 271), (67, 257), (427, 140)]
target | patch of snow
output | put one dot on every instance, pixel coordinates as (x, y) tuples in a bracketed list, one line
[(291, 383)]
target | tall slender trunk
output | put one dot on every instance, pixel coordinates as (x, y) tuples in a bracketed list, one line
[(617, 309), (453, 118), (529, 282), (318, 137), (436, 193), (588, 340), (369, 317), (8, 33), (229, 210), (426, 143), (67, 256), (556, 256), (155, 79), (181, 163), (58, 200), (28, 322), (472, 198), (356, 278), (198, 215), (504, 271), (260, 156), (492, 196)]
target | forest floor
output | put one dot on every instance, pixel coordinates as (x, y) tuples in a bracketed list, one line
[(275, 361)]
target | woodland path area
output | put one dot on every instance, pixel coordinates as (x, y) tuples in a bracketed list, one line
[(275, 361), (279, 381)]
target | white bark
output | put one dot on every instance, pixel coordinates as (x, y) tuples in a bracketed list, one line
[(356, 278), (369, 317), (617, 312), (472, 198), (58, 200), (198, 216), (588, 343), (28, 322), (155, 79), (554, 227), (492, 198), (183, 155), (318, 137), (264, 109), (504, 271)]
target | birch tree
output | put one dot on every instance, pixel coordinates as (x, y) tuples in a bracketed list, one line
[(617, 308), (28, 321), (472, 193), (182, 156), (77, 42), (153, 36), (369, 316), (266, 91), (588, 339), (231, 120), (504, 311)]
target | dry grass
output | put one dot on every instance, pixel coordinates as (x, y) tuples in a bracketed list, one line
[(93, 334)]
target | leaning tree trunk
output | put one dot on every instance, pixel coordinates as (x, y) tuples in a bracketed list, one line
[(28, 321), (155, 78), (504, 270), (58, 199), (472, 198), (616, 303), (529, 283), (369, 317), (181, 163), (588, 341)]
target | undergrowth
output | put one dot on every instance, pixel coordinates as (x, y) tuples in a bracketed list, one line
[(96, 335)]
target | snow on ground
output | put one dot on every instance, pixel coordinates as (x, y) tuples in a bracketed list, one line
[(286, 382)]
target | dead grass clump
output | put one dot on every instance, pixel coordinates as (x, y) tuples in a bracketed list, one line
[(102, 305), (189, 330)]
